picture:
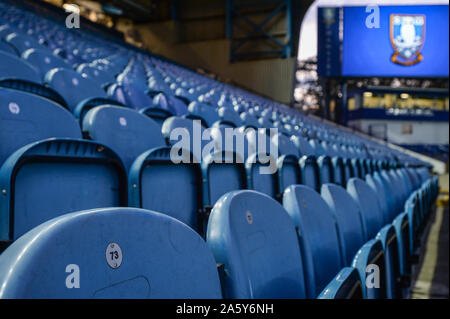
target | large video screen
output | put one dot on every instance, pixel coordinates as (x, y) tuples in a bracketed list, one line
[(400, 41)]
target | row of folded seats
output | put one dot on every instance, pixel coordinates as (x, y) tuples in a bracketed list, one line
[(309, 230)]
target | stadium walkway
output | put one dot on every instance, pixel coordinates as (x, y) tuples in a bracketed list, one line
[(431, 275)]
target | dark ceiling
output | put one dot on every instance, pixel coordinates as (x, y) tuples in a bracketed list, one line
[(141, 10)]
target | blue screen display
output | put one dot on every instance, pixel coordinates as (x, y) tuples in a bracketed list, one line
[(410, 41)]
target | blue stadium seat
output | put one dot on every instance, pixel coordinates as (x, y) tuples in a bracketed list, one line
[(348, 218), (188, 136), (346, 285), (310, 172), (73, 87), (130, 96), (174, 189), (43, 60), (6, 48), (228, 118), (382, 198), (250, 234), (109, 253), (203, 112), (40, 90), (54, 177), (288, 172), (249, 120), (365, 196), (262, 153), (326, 172), (126, 131), (317, 234), (30, 118), (11, 67), (21, 43), (374, 225), (100, 76), (221, 173)]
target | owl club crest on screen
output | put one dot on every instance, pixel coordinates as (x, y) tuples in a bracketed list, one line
[(407, 34)]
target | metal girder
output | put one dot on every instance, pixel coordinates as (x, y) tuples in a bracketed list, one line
[(269, 44)]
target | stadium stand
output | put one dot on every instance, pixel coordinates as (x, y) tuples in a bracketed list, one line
[(86, 152)]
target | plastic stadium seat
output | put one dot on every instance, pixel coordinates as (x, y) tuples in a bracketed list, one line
[(228, 118), (373, 221), (30, 118), (11, 67), (73, 86), (6, 48), (310, 172), (203, 112), (54, 177), (259, 175), (338, 171), (253, 236), (326, 172), (99, 76), (155, 179), (85, 106), (288, 172), (34, 88), (5, 30), (188, 135), (126, 131), (318, 236), (348, 218), (261, 154), (249, 120), (170, 104), (23, 42), (221, 173), (365, 196), (43, 60), (382, 199), (346, 285), (109, 253), (131, 96)]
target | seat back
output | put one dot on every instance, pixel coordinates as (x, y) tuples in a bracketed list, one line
[(72, 86), (338, 171), (310, 172), (130, 96), (30, 118), (369, 206), (325, 169), (318, 236), (155, 180), (11, 67), (221, 175), (348, 217), (43, 60), (5, 47), (203, 111), (382, 199), (346, 285), (253, 236), (55, 177), (185, 134), (126, 131), (22, 42), (258, 179), (229, 117), (109, 253)]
